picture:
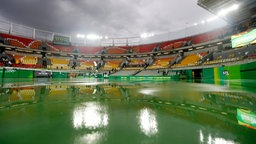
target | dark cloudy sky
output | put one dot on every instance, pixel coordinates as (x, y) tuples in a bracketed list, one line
[(104, 17)]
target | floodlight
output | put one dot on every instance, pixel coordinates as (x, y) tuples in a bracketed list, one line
[(80, 36), (93, 37), (224, 12), (211, 19), (146, 35), (234, 7)]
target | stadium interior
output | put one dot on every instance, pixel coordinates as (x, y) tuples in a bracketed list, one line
[(197, 88), (206, 49)]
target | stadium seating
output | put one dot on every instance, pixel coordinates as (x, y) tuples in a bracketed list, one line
[(52, 48), (89, 49), (202, 54), (111, 64), (125, 47), (189, 60), (86, 65), (161, 63), (116, 50), (136, 63), (35, 44), (16, 43), (59, 63), (144, 48), (21, 41), (168, 47), (178, 44), (29, 60), (17, 59), (59, 48), (201, 38)]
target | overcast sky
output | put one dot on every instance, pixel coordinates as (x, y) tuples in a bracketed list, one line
[(115, 18)]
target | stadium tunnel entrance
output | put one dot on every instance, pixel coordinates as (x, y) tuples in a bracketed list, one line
[(197, 75)]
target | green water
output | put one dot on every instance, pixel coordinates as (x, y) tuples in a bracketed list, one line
[(89, 111)]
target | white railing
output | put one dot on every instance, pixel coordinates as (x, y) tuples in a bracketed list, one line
[(25, 31)]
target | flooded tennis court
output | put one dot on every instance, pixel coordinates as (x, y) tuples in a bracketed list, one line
[(93, 111)]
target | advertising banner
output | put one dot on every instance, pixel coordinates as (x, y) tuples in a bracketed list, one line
[(246, 118), (244, 38)]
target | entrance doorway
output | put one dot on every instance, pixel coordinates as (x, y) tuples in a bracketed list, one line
[(197, 75)]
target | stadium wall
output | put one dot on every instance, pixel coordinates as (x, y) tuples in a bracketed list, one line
[(17, 73), (236, 75), (1, 74)]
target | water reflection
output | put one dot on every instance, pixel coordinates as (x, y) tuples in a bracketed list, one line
[(148, 122), (90, 138), (95, 112), (91, 115), (209, 139), (197, 96)]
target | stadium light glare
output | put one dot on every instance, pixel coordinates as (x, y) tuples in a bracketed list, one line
[(195, 24), (106, 37), (234, 7), (80, 36), (202, 22), (224, 12), (93, 37), (211, 19), (146, 35)]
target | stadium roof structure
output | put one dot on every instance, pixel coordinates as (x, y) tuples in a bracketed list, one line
[(246, 9)]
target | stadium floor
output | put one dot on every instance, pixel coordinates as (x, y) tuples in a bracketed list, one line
[(96, 111)]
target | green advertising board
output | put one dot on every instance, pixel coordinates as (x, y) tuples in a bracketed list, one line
[(18, 73), (244, 38), (11, 73), (26, 73), (59, 75), (208, 75), (246, 118), (1, 73)]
